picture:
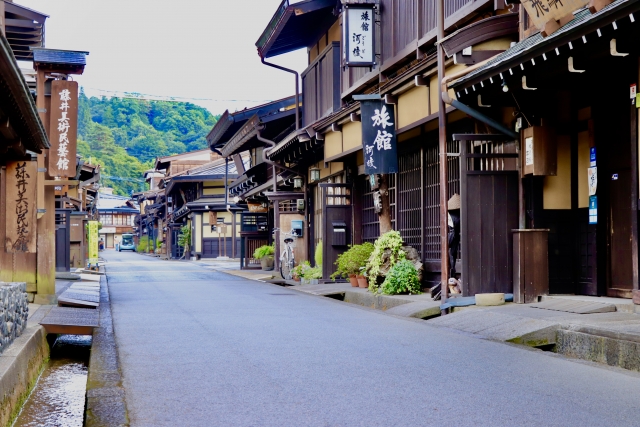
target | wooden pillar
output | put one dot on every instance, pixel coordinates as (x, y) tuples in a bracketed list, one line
[(634, 131), (45, 256), (444, 175)]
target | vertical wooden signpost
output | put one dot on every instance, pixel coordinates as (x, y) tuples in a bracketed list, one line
[(63, 128), (21, 207)]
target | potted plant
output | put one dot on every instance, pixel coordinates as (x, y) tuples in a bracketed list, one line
[(299, 270), (349, 263), (361, 278), (265, 254), (311, 275)]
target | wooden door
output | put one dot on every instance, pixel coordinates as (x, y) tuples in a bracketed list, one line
[(620, 253)]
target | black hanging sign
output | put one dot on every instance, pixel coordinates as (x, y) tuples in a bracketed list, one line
[(378, 137)]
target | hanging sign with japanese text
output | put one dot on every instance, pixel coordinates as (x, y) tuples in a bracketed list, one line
[(21, 207), (543, 11), (64, 128), (358, 35), (378, 137), (92, 242)]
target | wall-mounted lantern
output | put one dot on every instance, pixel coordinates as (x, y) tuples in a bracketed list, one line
[(297, 182), (314, 174), (539, 151)]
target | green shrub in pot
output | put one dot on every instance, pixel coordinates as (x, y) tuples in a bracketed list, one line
[(264, 251), (349, 263), (403, 277)]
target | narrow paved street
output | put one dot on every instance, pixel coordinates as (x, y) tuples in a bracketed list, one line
[(201, 348)]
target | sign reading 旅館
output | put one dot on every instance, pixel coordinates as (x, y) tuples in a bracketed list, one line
[(358, 26), (378, 137)]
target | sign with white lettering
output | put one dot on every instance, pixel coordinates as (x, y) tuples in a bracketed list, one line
[(21, 207), (593, 209), (359, 35), (379, 137), (63, 128)]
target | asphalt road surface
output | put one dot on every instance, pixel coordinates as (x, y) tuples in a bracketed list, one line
[(203, 348)]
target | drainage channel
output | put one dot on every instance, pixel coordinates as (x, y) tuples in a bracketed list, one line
[(58, 398)]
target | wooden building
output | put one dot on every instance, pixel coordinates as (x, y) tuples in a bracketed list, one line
[(153, 203), (507, 84), (196, 198), (117, 215), (267, 191), (405, 75), (572, 95), (22, 139)]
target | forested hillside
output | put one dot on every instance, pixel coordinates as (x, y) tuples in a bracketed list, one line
[(125, 135)]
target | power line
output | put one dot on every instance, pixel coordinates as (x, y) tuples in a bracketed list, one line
[(151, 97)]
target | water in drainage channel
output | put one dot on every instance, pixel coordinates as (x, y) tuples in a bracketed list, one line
[(58, 397)]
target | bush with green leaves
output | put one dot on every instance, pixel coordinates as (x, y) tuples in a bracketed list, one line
[(299, 270), (351, 262), (390, 241), (312, 273), (145, 243), (403, 277), (264, 251)]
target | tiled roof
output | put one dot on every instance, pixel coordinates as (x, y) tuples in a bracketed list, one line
[(54, 56), (523, 48)]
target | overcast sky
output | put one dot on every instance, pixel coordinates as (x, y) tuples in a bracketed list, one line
[(200, 49)]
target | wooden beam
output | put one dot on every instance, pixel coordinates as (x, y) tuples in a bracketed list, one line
[(61, 182)]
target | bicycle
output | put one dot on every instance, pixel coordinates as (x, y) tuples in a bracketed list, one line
[(287, 257)]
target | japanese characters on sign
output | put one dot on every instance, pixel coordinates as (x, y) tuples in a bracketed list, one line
[(378, 137), (21, 207), (64, 128), (358, 27), (543, 11), (92, 240)]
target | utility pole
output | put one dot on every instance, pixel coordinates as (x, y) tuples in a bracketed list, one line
[(444, 184)]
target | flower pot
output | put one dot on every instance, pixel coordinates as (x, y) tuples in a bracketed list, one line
[(362, 282), (266, 263), (353, 280)]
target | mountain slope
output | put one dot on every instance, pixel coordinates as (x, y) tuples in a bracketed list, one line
[(126, 135)]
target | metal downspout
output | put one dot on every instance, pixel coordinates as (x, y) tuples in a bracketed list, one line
[(288, 70), (226, 175)]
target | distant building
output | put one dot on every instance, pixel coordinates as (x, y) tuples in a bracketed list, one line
[(117, 215)]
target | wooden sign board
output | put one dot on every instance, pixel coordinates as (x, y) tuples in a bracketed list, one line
[(257, 208), (21, 207), (63, 128), (92, 242), (543, 11)]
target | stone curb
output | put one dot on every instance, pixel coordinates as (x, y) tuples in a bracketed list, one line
[(105, 402), (20, 366)]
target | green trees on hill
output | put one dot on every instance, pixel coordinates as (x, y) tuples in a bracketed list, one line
[(126, 135)]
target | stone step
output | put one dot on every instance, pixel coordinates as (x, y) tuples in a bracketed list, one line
[(574, 306), (66, 320)]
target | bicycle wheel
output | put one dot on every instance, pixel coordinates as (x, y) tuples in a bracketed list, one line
[(285, 267)]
